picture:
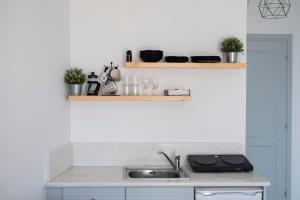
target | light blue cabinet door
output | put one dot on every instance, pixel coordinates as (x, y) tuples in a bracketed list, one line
[(160, 193), (54, 194), (90, 193)]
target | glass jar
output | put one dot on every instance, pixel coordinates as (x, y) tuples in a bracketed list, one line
[(131, 86)]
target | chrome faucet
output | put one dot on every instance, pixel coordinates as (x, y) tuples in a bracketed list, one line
[(175, 165)]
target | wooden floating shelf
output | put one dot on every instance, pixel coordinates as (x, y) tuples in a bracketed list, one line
[(129, 98), (187, 65)]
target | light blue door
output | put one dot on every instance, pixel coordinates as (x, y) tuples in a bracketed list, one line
[(267, 110)]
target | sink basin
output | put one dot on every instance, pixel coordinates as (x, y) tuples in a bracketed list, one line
[(155, 173)]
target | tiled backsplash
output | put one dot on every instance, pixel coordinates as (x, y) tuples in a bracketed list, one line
[(135, 154), (59, 160)]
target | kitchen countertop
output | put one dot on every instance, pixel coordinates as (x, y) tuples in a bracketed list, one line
[(114, 177)]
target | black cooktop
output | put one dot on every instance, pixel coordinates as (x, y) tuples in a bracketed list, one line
[(220, 163)]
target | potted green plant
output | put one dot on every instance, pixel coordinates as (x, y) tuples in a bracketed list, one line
[(75, 77), (231, 47)]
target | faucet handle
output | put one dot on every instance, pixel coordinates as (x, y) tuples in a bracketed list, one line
[(177, 163)]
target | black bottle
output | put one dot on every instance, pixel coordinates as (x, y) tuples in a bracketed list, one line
[(129, 56), (93, 85)]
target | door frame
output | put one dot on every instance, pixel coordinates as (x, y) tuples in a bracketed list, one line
[(289, 39)]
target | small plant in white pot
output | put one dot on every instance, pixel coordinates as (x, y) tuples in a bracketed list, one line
[(231, 47), (75, 78)]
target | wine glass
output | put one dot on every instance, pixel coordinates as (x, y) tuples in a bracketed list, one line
[(155, 85), (146, 85)]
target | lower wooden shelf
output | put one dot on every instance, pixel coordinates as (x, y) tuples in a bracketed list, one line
[(129, 98)]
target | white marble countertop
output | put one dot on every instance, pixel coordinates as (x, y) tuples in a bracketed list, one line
[(114, 177)]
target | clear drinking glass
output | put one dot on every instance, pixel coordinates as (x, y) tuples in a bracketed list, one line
[(131, 86)]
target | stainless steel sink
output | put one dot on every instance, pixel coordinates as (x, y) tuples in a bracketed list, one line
[(155, 173), (149, 173)]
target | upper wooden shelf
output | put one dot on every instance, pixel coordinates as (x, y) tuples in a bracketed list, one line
[(187, 65), (129, 98)]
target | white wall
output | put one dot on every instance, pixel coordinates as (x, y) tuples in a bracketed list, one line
[(289, 25), (34, 116), (101, 31)]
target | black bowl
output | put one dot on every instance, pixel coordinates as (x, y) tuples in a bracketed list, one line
[(151, 55)]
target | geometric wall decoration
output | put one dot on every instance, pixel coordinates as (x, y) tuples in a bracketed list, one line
[(274, 9)]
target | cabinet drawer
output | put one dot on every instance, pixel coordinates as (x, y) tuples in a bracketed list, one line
[(94, 193), (160, 193)]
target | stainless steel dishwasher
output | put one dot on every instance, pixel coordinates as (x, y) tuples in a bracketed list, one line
[(228, 193)]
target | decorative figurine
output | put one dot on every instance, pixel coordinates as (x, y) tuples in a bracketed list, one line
[(108, 79)]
